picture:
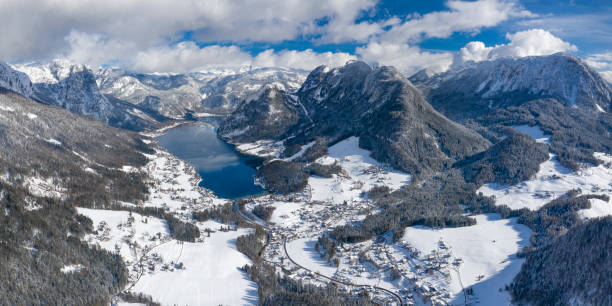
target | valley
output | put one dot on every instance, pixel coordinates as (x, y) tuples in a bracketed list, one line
[(345, 186)]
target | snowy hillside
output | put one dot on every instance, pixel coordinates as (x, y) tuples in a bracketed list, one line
[(512, 81)]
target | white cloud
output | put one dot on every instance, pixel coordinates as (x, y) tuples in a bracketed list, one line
[(408, 59), (532, 42), (186, 57), (38, 28), (462, 16), (141, 35), (306, 60), (95, 50), (602, 62), (475, 51)]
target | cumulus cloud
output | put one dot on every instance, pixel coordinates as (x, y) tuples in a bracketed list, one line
[(38, 28), (408, 59), (532, 42), (305, 60), (95, 50), (144, 35), (602, 62), (462, 16), (188, 57)]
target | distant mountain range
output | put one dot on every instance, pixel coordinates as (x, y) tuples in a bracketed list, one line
[(215, 91), (139, 101)]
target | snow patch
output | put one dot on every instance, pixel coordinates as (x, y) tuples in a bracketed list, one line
[(7, 108), (71, 268), (599, 208), (301, 151), (533, 131), (54, 142), (211, 274), (44, 187)]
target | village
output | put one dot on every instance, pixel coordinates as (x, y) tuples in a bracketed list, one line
[(394, 273), (372, 265)]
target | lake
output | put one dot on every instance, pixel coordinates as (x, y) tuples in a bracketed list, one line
[(223, 169)]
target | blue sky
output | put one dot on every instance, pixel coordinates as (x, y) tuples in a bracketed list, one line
[(591, 30), (190, 35)]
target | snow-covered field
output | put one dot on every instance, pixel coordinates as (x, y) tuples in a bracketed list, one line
[(117, 233), (487, 250), (170, 271), (552, 181), (362, 173), (211, 274), (303, 251)]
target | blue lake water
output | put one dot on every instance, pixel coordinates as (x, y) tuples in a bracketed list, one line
[(222, 168)]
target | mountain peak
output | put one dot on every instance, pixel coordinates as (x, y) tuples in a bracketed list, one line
[(476, 88), (379, 106)]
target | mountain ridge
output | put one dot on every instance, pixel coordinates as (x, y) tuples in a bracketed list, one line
[(379, 105)]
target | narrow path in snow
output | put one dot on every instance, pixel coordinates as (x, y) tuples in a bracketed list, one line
[(140, 260)]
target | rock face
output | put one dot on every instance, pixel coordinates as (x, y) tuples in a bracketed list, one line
[(215, 91), (74, 87), (69, 86), (478, 88), (15, 80), (379, 105)]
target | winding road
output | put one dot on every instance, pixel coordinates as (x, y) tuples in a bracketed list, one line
[(248, 220)]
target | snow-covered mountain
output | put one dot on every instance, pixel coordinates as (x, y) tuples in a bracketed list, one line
[(71, 86), (74, 87), (15, 80), (215, 91), (378, 105), (476, 88)]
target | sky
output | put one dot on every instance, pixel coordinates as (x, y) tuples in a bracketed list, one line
[(178, 36)]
